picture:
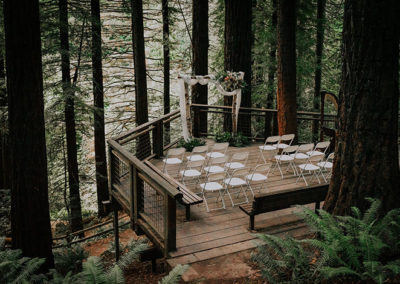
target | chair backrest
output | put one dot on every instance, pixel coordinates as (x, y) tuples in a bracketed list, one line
[(217, 161), (262, 168), (305, 148), (287, 138), (316, 158), (220, 146), (290, 149), (194, 164), (200, 149), (175, 152), (216, 177), (268, 155), (331, 156), (240, 172), (272, 139), (241, 156), (322, 146)]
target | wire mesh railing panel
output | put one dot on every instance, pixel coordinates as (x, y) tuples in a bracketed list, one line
[(152, 207), (172, 131), (140, 146), (120, 175)]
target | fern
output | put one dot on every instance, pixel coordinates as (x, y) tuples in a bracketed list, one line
[(175, 275), (347, 246)]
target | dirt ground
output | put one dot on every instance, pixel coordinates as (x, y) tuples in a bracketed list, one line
[(234, 268)]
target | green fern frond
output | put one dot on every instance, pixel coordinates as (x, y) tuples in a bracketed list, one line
[(134, 249), (330, 272), (2, 243), (93, 271), (372, 213), (115, 276), (175, 275), (30, 266)]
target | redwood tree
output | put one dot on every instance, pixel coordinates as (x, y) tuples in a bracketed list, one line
[(139, 58), (366, 162), (165, 20), (237, 53), (30, 221), (318, 66), (98, 98), (69, 113), (200, 62), (286, 95)]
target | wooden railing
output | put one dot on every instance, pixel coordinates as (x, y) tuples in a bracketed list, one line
[(143, 194), (258, 117)]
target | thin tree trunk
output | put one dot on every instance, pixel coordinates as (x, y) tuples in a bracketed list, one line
[(318, 53), (286, 96), (142, 116), (237, 53), (31, 231), (366, 162), (98, 97), (200, 62), (69, 113), (271, 74), (165, 19)]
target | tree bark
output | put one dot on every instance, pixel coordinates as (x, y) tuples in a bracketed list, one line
[(318, 54), (200, 62), (271, 74), (98, 98), (237, 54), (30, 223), (69, 113), (140, 75), (366, 162), (167, 108), (286, 96)]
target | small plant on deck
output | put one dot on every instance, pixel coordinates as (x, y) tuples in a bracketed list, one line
[(348, 248), (189, 145), (238, 140)]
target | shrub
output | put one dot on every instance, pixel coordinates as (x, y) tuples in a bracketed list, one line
[(238, 140), (359, 248), (189, 145)]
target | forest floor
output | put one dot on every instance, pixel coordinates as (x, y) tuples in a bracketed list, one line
[(233, 268)]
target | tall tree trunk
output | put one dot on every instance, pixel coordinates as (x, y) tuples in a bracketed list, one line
[(286, 96), (140, 75), (271, 74), (98, 97), (69, 113), (366, 162), (30, 223), (318, 66), (200, 62), (237, 53), (165, 19)]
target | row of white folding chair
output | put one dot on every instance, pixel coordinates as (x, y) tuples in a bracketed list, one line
[(276, 143), (316, 166)]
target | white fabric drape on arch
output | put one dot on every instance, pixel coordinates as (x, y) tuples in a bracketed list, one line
[(203, 80)]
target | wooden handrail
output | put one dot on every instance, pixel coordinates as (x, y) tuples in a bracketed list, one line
[(146, 171), (144, 126)]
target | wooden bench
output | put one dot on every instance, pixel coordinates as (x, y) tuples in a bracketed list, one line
[(189, 198), (282, 199)]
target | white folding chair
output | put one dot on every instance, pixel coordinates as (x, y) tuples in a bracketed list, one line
[(300, 157), (212, 185), (237, 181), (285, 157), (237, 161), (311, 167), (192, 171), (215, 165), (218, 150), (319, 146), (269, 148), (257, 177), (198, 153), (326, 166), (286, 141), (174, 157)]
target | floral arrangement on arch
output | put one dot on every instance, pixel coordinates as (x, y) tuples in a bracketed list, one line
[(231, 81)]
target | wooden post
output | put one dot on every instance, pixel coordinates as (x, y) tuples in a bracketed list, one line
[(132, 171), (116, 230), (188, 117), (170, 224), (196, 122), (158, 143), (137, 197), (234, 104), (110, 166), (321, 123)]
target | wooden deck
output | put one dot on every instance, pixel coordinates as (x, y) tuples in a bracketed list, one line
[(211, 234)]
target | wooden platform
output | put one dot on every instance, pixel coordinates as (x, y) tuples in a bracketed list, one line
[(211, 234)]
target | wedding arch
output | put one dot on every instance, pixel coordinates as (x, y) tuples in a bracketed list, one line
[(185, 81)]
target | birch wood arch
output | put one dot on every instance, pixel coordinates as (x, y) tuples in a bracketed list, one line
[(184, 100)]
